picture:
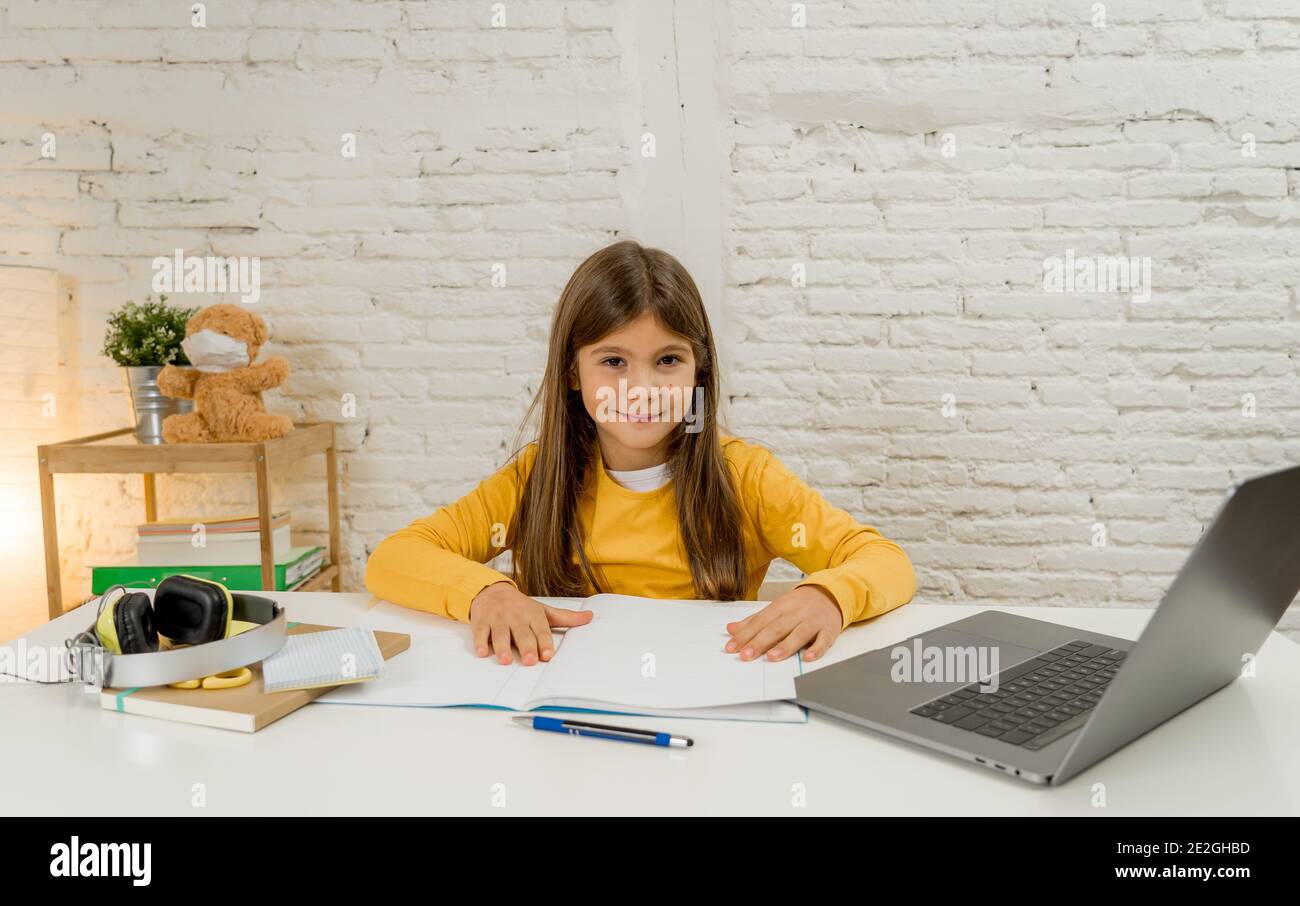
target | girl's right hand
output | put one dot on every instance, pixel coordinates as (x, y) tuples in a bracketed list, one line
[(501, 613)]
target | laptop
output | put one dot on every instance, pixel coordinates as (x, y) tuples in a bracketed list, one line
[(1065, 698)]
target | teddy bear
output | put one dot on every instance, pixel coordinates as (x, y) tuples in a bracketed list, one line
[(221, 342)]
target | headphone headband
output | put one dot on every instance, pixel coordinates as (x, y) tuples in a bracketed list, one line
[(94, 665)]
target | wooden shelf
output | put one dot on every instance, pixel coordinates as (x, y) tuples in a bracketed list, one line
[(93, 454), (116, 452)]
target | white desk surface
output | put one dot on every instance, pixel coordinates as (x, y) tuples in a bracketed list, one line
[(1236, 752)]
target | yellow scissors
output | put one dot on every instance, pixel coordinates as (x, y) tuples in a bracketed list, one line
[(227, 679), (241, 676)]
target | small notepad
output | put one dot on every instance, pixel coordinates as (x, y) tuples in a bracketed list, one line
[(330, 658)]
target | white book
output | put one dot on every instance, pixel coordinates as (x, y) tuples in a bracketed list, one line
[(638, 656), (306, 566), (231, 549)]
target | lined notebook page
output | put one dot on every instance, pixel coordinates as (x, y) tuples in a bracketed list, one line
[(326, 658), (648, 653), (440, 667)]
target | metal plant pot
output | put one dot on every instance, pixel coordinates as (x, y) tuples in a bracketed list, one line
[(151, 404)]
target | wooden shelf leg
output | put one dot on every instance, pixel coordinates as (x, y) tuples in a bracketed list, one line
[(264, 520), (50, 524), (332, 496), (150, 498)]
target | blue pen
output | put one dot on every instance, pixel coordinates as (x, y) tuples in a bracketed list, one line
[(604, 731)]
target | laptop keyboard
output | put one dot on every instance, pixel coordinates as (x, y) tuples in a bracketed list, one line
[(1036, 702)]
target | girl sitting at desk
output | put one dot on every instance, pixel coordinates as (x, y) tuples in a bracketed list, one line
[(632, 487)]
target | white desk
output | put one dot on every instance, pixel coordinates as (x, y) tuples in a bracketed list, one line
[(1237, 752)]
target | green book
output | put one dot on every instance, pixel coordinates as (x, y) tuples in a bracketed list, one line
[(302, 564)]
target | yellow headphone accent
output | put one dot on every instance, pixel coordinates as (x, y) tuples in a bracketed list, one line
[(104, 625)]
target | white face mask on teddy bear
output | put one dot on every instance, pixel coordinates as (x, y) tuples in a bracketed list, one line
[(213, 352)]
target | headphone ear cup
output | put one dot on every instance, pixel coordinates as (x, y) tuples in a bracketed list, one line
[(191, 611), (133, 621)]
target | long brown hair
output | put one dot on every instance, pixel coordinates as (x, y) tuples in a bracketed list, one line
[(613, 287)]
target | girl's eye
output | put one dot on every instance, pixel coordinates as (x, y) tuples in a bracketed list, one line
[(615, 361)]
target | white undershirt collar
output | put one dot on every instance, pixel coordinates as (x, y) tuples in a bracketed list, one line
[(642, 479)]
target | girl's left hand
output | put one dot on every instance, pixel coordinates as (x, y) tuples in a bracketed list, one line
[(806, 614)]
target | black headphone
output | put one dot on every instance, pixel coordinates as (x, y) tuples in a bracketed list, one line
[(186, 610)]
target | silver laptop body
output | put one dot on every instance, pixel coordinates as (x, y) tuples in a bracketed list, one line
[(1240, 578)]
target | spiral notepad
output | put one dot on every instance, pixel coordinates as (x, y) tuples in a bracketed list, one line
[(331, 658)]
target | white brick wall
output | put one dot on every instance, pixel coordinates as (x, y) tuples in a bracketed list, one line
[(824, 146)]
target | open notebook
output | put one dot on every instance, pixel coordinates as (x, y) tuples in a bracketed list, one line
[(637, 656)]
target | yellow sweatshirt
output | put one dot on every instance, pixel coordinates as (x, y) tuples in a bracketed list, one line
[(437, 563)]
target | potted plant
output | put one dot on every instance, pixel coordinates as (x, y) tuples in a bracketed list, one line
[(143, 338)]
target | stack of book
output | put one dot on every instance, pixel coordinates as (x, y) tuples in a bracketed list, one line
[(228, 550)]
